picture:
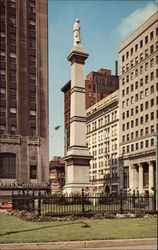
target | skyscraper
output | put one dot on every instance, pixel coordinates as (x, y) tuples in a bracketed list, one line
[(24, 91), (138, 60)]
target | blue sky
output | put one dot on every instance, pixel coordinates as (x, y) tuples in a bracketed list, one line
[(104, 24)]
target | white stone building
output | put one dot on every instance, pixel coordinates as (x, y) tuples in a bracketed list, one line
[(102, 139), (138, 108)]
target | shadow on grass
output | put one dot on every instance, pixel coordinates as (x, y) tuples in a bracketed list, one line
[(84, 225)]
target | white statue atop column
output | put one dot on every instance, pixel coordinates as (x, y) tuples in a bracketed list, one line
[(76, 31)]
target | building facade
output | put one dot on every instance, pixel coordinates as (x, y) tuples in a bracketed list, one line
[(138, 71), (103, 143), (57, 174), (24, 91)]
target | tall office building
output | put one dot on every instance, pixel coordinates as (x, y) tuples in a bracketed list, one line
[(138, 70), (24, 91)]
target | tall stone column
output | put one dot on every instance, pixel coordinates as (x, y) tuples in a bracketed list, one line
[(77, 157), (132, 177), (151, 177), (140, 178)]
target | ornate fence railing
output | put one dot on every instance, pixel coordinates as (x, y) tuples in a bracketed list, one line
[(43, 203)]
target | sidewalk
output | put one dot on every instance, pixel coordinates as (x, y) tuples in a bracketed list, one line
[(144, 243)]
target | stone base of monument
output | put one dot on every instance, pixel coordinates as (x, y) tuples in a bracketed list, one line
[(77, 173)]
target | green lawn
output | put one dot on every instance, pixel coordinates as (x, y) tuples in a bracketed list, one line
[(13, 229)]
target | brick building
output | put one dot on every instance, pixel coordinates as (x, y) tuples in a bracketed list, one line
[(24, 91), (57, 174)]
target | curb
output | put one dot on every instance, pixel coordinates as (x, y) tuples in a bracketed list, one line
[(79, 244)]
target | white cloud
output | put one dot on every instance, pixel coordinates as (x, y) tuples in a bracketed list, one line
[(135, 19)]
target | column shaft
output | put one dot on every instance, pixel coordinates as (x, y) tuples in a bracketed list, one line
[(140, 178)]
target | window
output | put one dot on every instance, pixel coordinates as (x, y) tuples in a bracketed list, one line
[(132, 64), (123, 92), (152, 89), (152, 129), (126, 177), (136, 85), (141, 43), (146, 52), (141, 95), (151, 49), (146, 118), (123, 81), (146, 105), (132, 75), (2, 74), (127, 66), (141, 120), (7, 166), (132, 135), (152, 142), (136, 97), (131, 51), (132, 88), (123, 69), (12, 130), (141, 107), (141, 69), (132, 124), (141, 144), (152, 62), (136, 60), (136, 146), (146, 79), (13, 94), (137, 134), (136, 72), (141, 132), (127, 78), (132, 111), (146, 143), (146, 92), (12, 112), (32, 131), (32, 42), (127, 125), (33, 172), (2, 111), (12, 57), (2, 93), (137, 122), (132, 99), (123, 58), (151, 35), (32, 60), (32, 78), (152, 102), (136, 47), (2, 128), (141, 82), (127, 90), (146, 66), (32, 114), (152, 115), (146, 39), (127, 55), (89, 94), (12, 19), (146, 130), (132, 147), (141, 56), (152, 76), (12, 75)]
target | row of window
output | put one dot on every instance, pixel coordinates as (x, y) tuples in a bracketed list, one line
[(130, 89), (12, 113), (12, 94), (142, 120), (13, 130), (131, 101), (138, 146), (140, 45), (142, 132)]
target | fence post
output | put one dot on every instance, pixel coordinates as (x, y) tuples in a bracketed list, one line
[(27, 201), (121, 203), (82, 200), (39, 203), (133, 198), (33, 200)]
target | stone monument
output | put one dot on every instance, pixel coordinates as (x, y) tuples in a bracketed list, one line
[(77, 157)]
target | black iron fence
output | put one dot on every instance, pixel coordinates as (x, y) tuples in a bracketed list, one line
[(43, 203)]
